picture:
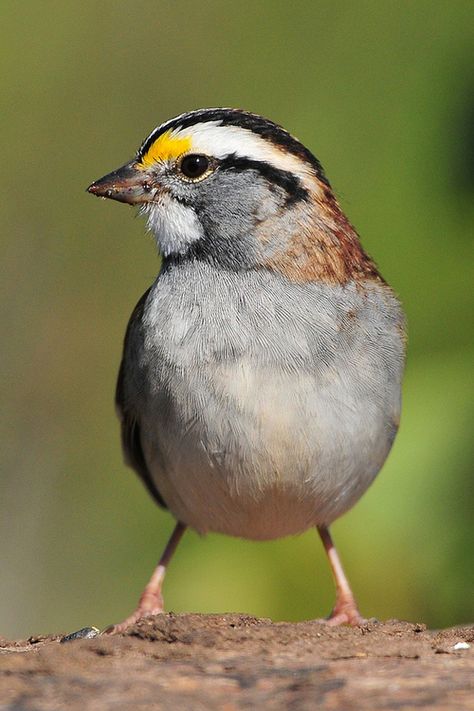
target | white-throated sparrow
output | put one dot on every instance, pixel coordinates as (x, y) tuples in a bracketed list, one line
[(259, 391)]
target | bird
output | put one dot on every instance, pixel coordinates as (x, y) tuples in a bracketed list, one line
[(259, 391)]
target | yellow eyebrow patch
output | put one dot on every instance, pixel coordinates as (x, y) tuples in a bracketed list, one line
[(165, 147)]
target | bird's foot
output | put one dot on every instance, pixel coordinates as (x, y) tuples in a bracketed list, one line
[(139, 614), (150, 604), (345, 612)]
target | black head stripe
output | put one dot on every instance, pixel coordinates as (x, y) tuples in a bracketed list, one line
[(236, 117), (289, 182)]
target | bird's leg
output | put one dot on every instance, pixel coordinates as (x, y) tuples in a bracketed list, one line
[(151, 599), (345, 611)]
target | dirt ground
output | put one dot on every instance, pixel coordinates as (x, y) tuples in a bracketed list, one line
[(231, 662)]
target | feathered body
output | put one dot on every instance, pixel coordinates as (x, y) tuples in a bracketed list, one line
[(265, 406)]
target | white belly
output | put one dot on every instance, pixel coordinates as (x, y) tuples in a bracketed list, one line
[(271, 454)]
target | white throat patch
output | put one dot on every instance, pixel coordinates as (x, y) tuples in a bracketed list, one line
[(174, 225)]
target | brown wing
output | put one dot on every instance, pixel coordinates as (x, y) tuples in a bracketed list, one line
[(130, 430)]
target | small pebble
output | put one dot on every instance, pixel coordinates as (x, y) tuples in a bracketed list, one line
[(84, 633), (461, 645)]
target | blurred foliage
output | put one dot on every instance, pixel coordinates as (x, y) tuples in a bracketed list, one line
[(383, 92)]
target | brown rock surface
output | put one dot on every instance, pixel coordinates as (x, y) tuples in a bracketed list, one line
[(231, 662)]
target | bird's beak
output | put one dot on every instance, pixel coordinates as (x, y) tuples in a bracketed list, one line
[(127, 184)]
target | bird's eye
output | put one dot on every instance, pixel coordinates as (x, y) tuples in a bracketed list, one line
[(194, 166)]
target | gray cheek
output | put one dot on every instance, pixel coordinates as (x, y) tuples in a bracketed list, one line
[(232, 202), (230, 208), (216, 218)]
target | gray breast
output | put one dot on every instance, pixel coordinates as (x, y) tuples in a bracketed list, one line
[(265, 406)]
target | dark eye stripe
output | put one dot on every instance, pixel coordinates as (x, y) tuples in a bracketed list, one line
[(289, 182)]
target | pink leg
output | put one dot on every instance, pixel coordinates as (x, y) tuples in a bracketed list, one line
[(151, 599), (345, 610)]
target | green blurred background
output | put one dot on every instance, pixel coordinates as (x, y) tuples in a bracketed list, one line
[(383, 93)]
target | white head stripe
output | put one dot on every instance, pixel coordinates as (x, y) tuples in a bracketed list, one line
[(220, 141)]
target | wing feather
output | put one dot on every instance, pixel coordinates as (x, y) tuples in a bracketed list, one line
[(129, 418)]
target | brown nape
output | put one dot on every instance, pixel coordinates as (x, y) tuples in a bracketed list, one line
[(325, 246)]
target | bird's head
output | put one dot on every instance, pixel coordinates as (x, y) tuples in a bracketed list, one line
[(239, 191)]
